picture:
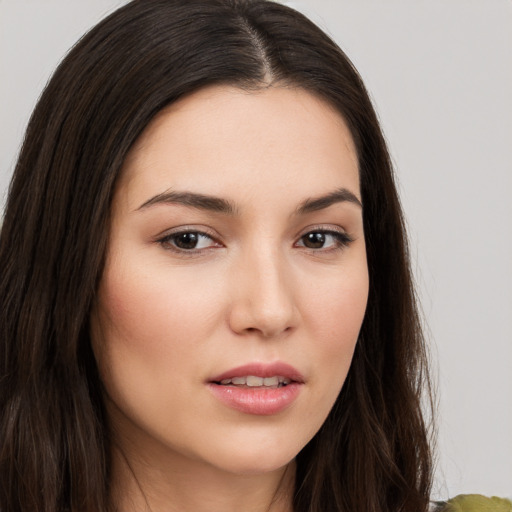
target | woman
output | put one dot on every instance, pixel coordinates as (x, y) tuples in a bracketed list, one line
[(206, 294)]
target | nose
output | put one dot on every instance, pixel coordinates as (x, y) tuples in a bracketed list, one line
[(263, 299)]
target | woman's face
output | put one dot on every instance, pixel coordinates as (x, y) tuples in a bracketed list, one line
[(235, 282)]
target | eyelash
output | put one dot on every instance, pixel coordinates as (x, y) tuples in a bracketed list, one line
[(341, 239), (168, 242)]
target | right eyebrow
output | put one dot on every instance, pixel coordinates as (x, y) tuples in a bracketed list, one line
[(191, 199)]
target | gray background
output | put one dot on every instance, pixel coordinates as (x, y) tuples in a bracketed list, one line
[(440, 74)]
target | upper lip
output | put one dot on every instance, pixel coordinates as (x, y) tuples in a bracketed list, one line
[(261, 370)]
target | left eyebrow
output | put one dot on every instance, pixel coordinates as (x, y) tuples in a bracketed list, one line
[(319, 203)]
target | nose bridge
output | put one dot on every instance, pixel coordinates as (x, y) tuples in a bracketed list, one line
[(264, 299)]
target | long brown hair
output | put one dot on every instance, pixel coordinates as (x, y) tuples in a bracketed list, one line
[(372, 454)]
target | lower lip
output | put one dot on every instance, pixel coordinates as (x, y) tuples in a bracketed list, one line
[(257, 400)]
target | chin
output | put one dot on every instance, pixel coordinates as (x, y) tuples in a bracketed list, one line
[(256, 449), (245, 466), (253, 457)]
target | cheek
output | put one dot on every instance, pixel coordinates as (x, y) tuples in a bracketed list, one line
[(334, 314), (147, 329), (148, 309)]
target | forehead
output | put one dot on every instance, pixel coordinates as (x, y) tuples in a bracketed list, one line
[(222, 138)]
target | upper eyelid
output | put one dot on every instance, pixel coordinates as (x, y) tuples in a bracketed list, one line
[(210, 233), (187, 229), (323, 228)]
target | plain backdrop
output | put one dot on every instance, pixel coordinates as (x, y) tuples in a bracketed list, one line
[(440, 75)]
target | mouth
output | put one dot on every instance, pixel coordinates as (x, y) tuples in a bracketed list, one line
[(257, 375), (253, 381), (258, 389)]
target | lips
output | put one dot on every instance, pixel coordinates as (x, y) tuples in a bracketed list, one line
[(259, 389), (277, 369), (252, 381)]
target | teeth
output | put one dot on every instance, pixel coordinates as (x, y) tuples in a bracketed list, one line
[(255, 382), (271, 381)]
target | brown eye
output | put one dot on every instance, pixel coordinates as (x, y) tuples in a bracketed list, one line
[(314, 240), (187, 241), (318, 240)]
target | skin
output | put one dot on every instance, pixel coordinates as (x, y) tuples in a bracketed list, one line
[(254, 290)]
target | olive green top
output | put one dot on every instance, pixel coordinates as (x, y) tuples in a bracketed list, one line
[(475, 503)]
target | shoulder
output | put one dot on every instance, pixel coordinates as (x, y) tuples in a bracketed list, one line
[(473, 503)]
